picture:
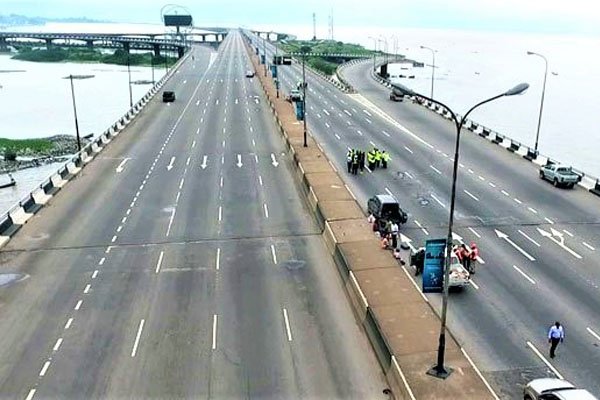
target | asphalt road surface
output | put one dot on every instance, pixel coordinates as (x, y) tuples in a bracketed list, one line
[(538, 245), (182, 263)]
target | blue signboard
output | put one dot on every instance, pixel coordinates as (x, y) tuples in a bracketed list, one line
[(299, 110), (274, 71), (262, 58), (433, 270)]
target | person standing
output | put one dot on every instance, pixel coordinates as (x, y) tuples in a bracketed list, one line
[(349, 156), (371, 160), (394, 232), (385, 157), (361, 160), (556, 335), (377, 158), (355, 163)]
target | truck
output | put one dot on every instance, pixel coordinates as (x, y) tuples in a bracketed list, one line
[(396, 94), (559, 175)]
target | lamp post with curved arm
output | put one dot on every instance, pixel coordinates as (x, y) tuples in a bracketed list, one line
[(537, 135), (375, 51), (439, 370), (432, 67)]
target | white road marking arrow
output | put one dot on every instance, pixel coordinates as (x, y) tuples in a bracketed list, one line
[(558, 233), (239, 163), (274, 161), (455, 236), (407, 240), (170, 166), (560, 243), (504, 236), (122, 165), (204, 160)]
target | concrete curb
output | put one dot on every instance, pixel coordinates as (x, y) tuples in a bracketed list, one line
[(377, 288), (588, 182), (17, 215)]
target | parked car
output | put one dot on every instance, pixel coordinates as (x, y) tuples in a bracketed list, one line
[(168, 96), (559, 175), (554, 389), (459, 276), (295, 95), (249, 74), (386, 208)]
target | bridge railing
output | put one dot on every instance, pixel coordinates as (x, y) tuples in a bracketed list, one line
[(18, 214)]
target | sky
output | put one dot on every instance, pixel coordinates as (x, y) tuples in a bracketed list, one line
[(537, 16)]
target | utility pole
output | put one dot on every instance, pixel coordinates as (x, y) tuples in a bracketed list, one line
[(314, 27), (75, 114)]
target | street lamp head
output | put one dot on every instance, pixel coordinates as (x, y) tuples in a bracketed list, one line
[(519, 89), (530, 53)]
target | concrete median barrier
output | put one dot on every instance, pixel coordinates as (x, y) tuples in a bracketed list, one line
[(400, 324)]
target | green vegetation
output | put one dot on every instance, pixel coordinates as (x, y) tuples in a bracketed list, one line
[(327, 65), (22, 146), (119, 57)]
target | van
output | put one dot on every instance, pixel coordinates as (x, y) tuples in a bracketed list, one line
[(386, 208), (168, 96)]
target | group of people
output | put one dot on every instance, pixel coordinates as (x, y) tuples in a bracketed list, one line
[(467, 256), (375, 158), (355, 160)]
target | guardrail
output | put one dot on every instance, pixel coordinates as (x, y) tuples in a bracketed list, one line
[(18, 214), (588, 182)]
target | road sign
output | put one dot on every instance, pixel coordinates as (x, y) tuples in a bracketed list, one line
[(433, 271)]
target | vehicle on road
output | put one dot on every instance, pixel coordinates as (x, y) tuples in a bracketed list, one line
[(554, 389), (559, 175), (396, 95), (295, 95), (300, 84), (168, 96), (386, 208), (249, 74), (459, 276)]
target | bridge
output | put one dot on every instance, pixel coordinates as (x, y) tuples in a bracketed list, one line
[(342, 56), (126, 41)]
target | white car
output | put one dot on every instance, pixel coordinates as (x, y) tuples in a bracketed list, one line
[(249, 74), (554, 389)]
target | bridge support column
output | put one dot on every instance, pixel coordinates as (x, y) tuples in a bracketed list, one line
[(3, 46), (157, 50), (126, 47), (384, 71), (48, 44), (89, 44), (180, 51)]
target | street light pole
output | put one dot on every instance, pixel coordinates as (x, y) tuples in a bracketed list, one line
[(75, 114), (265, 54), (304, 51), (537, 135), (439, 370), (129, 75), (432, 67), (375, 51)]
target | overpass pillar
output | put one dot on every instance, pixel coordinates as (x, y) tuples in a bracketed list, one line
[(126, 47), (89, 44), (3, 45), (180, 51), (48, 44), (384, 70), (156, 50)]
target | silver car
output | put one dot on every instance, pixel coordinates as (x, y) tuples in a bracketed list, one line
[(554, 389)]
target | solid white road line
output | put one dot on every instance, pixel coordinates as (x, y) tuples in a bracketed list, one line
[(592, 248), (471, 171), (389, 192), (409, 150), (470, 195), (438, 200), (337, 136), (533, 210), (57, 345), (544, 360), (68, 324), (481, 178), (421, 227), (347, 112), (181, 183), (435, 169), (524, 274), (218, 261), (409, 175), (273, 254), (170, 222), (287, 325), (528, 238), (78, 305), (221, 182), (491, 184), (474, 284), (594, 334), (517, 201), (30, 394), (385, 133), (549, 221), (260, 180), (504, 236), (474, 233), (220, 213), (266, 210), (137, 338), (214, 332), (504, 192), (45, 368), (485, 382), (160, 258)]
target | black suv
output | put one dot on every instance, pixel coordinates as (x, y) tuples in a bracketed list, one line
[(386, 208), (168, 96)]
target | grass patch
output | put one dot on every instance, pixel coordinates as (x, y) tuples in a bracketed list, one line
[(119, 57), (26, 145)]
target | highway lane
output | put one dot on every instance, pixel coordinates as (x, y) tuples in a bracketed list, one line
[(498, 344), (150, 294)]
